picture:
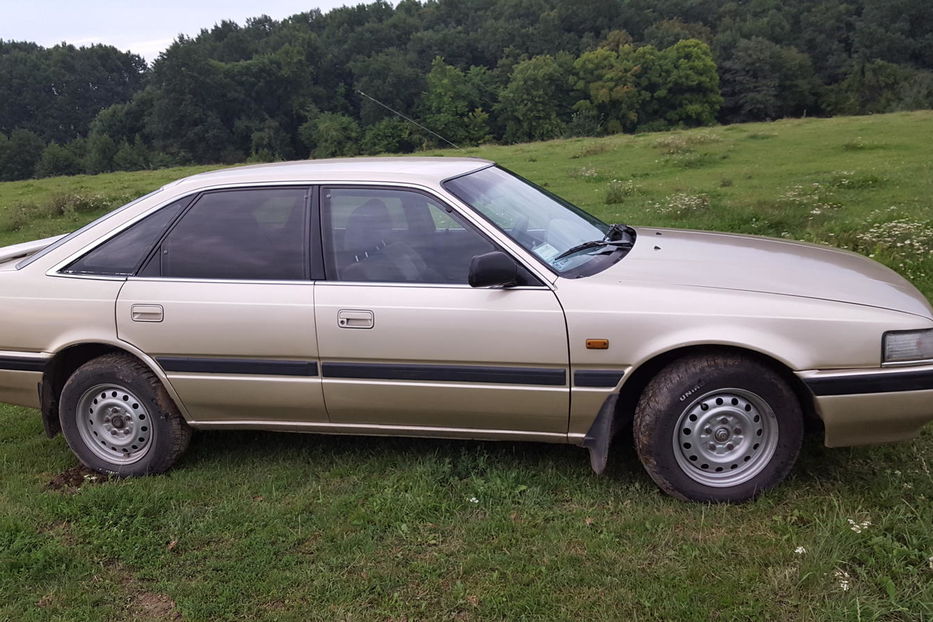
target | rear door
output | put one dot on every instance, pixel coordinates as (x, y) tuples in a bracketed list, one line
[(225, 305), (406, 343)]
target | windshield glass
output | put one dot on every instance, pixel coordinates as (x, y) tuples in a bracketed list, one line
[(543, 223)]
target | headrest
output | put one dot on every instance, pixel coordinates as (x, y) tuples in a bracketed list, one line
[(368, 227)]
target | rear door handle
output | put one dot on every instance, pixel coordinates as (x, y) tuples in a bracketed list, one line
[(355, 318), (147, 313)]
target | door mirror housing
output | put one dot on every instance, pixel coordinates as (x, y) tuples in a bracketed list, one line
[(494, 269)]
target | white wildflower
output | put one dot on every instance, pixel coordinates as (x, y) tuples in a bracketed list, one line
[(800, 550), (844, 580), (474, 500), (681, 204), (859, 527)]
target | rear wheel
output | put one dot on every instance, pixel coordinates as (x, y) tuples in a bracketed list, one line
[(118, 418), (719, 427)]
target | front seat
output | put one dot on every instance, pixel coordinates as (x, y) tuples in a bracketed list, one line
[(372, 253)]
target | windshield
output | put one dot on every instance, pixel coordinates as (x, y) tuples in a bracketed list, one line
[(560, 234)]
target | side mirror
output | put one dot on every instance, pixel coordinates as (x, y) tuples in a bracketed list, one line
[(495, 269)]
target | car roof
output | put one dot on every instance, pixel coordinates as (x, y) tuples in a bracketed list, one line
[(417, 170)]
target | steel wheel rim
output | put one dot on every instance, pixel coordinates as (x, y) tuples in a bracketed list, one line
[(114, 424), (725, 437)]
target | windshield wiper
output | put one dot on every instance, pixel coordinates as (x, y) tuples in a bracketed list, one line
[(624, 232), (592, 244)]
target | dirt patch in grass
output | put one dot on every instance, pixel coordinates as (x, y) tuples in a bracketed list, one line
[(70, 480), (144, 605), (140, 604)]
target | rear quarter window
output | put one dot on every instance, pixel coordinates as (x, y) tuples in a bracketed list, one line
[(124, 253)]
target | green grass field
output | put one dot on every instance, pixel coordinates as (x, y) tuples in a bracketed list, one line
[(264, 526)]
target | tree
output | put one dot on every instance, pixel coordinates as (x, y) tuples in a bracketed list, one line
[(668, 32), (393, 78), (607, 81), (57, 160), (20, 154), (329, 135), (100, 151), (681, 85), (878, 86), (193, 109), (454, 103), (391, 136), (131, 156), (269, 143), (765, 81), (534, 105), (56, 92)]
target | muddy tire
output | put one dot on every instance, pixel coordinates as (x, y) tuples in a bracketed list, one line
[(718, 428), (118, 418)]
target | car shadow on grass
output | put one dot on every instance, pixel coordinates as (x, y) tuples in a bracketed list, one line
[(818, 467)]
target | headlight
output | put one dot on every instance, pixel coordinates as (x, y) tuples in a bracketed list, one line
[(903, 346)]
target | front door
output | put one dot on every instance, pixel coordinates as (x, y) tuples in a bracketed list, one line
[(405, 342)]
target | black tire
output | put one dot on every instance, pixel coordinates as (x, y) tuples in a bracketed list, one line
[(135, 399), (718, 428)]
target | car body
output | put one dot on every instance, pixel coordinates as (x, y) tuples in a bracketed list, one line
[(429, 297)]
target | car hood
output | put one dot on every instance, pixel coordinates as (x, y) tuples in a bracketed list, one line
[(766, 265)]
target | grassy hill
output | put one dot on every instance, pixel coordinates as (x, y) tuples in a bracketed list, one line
[(276, 527), (863, 183)]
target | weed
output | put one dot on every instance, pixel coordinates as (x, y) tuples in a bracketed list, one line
[(852, 180), (618, 190), (682, 204), (591, 149), (64, 204), (684, 143), (905, 242), (817, 198), (691, 159), (859, 144), (588, 173)]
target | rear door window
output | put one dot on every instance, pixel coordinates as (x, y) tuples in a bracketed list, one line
[(250, 234)]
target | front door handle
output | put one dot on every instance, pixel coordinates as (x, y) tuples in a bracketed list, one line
[(355, 318), (147, 313)]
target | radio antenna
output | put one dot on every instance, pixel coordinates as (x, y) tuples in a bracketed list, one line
[(410, 120)]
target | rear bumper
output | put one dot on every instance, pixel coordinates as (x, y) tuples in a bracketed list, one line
[(863, 407)]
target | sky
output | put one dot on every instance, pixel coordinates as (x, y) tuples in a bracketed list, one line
[(145, 28)]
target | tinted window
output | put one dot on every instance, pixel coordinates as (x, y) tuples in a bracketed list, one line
[(387, 235), (122, 254), (240, 234)]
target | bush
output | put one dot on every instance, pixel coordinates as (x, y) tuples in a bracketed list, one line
[(389, 136), (57, 160), (330, 135)]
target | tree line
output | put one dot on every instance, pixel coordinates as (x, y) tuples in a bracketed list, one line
[(471, 70)]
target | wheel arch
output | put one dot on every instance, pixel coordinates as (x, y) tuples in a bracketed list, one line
[(618, 410), (69, 358)]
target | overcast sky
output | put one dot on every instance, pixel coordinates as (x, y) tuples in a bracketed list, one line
[(145, 28)]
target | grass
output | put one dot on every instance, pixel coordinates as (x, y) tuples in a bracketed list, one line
[(265, 526)]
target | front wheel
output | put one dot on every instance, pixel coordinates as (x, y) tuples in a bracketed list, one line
[(118, 418), (720, 427)]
